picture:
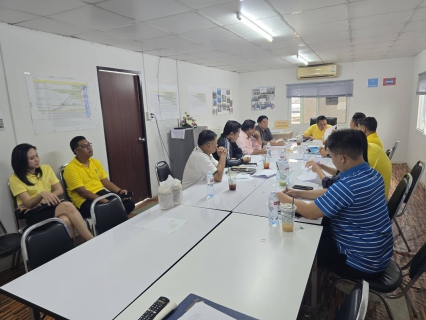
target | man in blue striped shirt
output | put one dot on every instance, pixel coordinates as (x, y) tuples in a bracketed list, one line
[(357, 237)]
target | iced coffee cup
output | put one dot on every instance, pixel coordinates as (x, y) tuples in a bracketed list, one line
[(287, 216), (232, 180)]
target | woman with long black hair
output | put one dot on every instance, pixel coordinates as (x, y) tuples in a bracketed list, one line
[(37, 190)]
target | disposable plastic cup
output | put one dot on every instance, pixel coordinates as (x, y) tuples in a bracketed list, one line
[(287, 216)]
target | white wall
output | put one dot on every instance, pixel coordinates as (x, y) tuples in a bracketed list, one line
[(416, 141), (388, 104)]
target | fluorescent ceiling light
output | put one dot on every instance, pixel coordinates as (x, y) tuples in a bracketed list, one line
[(254, 26), (303, 60)]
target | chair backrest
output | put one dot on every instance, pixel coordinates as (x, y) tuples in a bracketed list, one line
[(18, 215), (106, 216), (355, 305), (45, 241), (416, 174), (418, 264), (330, 120), (162, 170), (398, 196), (63, 182), (390, 152)]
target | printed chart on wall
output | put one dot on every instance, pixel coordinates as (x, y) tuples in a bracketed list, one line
[(222, 101), (59, 104), (262, 98), (164, 102), (197, 100)]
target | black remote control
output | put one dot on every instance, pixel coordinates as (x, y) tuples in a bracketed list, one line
[(156, 307)]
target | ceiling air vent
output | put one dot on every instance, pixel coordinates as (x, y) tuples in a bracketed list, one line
[(321, 71)]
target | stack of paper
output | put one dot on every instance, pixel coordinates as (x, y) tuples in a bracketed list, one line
[(267, 173), (307, 175)]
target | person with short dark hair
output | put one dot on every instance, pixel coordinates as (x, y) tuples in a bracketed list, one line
[(247, 141), (316, 131), (228, 140), (37, 191), (265, 133), (201, 162), (356, 241), (355, 118), (87, 180), (368, 125)]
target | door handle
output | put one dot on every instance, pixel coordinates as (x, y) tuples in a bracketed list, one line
[(141, 139)]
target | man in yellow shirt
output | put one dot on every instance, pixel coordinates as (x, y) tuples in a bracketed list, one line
[(377, 159), (316, 131), (355, 118), (368, 125), (86, 179)]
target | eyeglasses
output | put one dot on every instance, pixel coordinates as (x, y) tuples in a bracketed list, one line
[(85, 146)]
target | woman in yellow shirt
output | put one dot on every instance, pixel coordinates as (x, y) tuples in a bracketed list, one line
[(37, 189)]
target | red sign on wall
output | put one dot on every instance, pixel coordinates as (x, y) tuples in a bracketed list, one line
[(389, 81)]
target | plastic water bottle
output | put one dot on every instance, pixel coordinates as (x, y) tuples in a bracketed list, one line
[(268, 150), (286, 169), (283, 155), (210, 185), (273, 209), (305, 155), (279, 167)]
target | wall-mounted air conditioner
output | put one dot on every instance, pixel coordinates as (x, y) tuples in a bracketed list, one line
[(320, 71)]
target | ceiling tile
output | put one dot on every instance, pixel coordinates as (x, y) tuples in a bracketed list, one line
[(381, 20), (100, 37), (415, 25), (92, 18), (410, 42), (327, 38), (321, 29), (183, 22), (235, 46), (420, 14), (198, 4), (276, 44), (368, 8), (137, 31), (339, 50), (386, 37), (291, 6), (53, 26), (241, 29), (160, 52), (378, 31), (418, 46), (194, 48), (378, 51), (181, 57), (364, 46), (14, 16), (317, 16), (249, 54), (168, 42), (211, 54), (226, 14), (287, 51), (209, 35), (331, 44), (42, 7), (134, 46), (272, 24), (144, 9), (196, 60), (412, 34)]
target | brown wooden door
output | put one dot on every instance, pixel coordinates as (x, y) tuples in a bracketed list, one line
[(124, 128)]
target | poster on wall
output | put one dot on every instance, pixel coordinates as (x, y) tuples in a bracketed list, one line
[(263, 98), (389, 82), (60, 104), (222, 101), (164, 101), (197, 100)]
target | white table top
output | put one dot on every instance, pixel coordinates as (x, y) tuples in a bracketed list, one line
[(100, 278), (224, 199), (245, 265)]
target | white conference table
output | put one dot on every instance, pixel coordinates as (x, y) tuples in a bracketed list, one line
[(245, 265), (97, 279)]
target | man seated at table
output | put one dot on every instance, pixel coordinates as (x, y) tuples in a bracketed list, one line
[(368, 125), (265, 134), (355, 118), (201, 162), (249, 142), (316, 131), (228, 140), (87, 180), (357, 240)]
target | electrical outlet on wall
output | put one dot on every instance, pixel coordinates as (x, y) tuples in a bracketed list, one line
[(149, 116)]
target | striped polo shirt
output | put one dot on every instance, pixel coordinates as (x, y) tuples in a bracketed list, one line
[(359, 218)]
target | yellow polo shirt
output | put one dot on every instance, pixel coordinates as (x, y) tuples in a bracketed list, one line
[(377, 159), (374, 138), (77, 175), (315, 131), (45, 183)]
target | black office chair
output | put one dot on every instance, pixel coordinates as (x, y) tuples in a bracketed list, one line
[(398, 196), (19, 216), (330, 120), (416, 173), (162, 170), (355, 305), (10, 244), (390, 152), (106, 216)]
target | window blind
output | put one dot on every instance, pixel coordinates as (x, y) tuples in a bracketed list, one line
[(343, 88), (421, 84)]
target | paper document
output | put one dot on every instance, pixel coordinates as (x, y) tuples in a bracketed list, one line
[(201, 311), (329, 131), (256, 158), (307, 175), (265, 173), (162, 224)]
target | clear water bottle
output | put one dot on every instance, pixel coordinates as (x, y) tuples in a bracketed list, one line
[(210, 185), (273, 204), (279, 168), (286, 169), (268, 150), (283, 155), (305, 155)]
